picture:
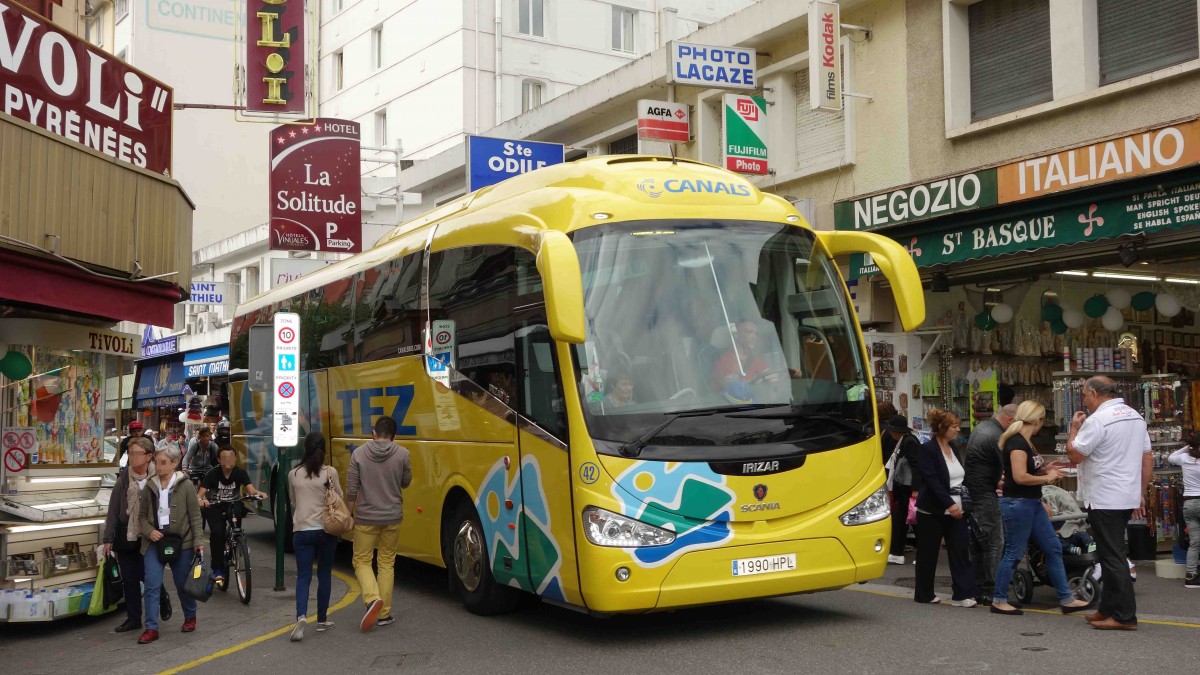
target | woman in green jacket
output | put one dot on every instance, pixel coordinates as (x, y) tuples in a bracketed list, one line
[(168, 509)]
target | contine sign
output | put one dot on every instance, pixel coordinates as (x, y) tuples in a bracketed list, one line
[(663, 121), (745, 128), (286, 423), (491, 160), (711, 67)]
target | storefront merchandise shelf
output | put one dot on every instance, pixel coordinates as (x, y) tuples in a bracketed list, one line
[(1165, 444), (1094, 373)]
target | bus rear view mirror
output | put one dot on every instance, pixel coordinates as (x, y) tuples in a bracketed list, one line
[(558, 265), (894, 262)]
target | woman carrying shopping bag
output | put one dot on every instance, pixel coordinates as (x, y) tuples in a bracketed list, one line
[(307, 488), (169, 522)]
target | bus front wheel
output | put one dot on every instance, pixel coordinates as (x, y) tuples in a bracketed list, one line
[(470, 567)]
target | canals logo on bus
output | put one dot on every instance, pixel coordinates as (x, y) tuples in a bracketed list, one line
[(680, 185)]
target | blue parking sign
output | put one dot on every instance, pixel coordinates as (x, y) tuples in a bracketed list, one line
[(491, 160)]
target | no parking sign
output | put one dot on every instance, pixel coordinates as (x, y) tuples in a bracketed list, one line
[(17, 446)]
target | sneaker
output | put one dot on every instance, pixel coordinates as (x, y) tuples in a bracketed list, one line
[(895, 560), (298, 631), (148, 637), (969, 602), (985, 600), (189, 625), (323, 626), (386, 621), (371, 617), (1191, 581)]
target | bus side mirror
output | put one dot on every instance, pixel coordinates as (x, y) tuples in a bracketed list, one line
[(558, 265), (896, 264)]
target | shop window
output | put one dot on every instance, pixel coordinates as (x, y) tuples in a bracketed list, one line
[(627, 145), (65, 401), (1010, 56), (391, 320), (531, 17), (1141, 37), (475, 288), (623, 22)]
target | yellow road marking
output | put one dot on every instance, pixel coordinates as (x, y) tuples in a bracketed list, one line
[(351, 595), (1155, 622)]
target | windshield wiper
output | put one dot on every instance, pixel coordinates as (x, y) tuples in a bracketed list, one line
[(634, 448)]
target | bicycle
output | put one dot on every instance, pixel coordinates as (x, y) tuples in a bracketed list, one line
[(236, 556)]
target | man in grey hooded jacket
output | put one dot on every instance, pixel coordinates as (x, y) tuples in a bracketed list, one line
[(379, 471)]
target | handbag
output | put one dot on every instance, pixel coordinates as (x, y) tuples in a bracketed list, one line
[(169, 547), (98, 606), (200, 581), (335, 515), (911, 519), (114, 587), (964, 495)]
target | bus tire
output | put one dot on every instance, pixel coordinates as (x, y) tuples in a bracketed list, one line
[(469, 567)]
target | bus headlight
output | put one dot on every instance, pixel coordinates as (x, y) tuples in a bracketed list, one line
[(605, 528), (873, 509)]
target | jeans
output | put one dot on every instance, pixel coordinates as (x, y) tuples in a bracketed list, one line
[(154, 584), (901, 493), (368, 539), (314, 545), (1191, 516), (931, 530), (987, 540), (1025, 518), (133, 571), (1108, 529)]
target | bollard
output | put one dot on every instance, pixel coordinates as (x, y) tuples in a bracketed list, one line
[(281, 500)]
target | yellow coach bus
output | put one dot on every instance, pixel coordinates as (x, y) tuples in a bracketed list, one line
[(628, 384)]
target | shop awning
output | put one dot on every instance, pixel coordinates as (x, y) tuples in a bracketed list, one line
[(53, 284), (1171, 202), (207, 362), (160, 383)]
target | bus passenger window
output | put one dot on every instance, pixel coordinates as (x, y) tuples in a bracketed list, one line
[(388, 319), (541, 397)]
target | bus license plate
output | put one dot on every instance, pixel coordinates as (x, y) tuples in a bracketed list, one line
[(766, 564)]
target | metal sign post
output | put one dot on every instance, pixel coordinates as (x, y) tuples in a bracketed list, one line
[(285, 421)]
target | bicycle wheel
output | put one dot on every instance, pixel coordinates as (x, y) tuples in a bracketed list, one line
[(241, 573)]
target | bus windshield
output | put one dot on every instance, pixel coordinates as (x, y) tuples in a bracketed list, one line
[(716, 340)]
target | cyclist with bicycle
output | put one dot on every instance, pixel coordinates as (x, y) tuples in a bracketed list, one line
[(222, 484)]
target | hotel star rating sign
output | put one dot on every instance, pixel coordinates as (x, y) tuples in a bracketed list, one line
[(286, 408), (316, 188)]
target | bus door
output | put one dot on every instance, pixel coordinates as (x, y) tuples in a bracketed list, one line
[(547, 526)]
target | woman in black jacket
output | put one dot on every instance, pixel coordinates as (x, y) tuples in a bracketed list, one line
[(940, 513)]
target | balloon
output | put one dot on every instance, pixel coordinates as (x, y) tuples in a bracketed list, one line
[(1002, 313), (1167, 304), (1095, 306), (15, 366), (1142, 301), (1119, 298), (1071, 318), (984, 321), (1058, 327), (1051, 313), (1112, 319)]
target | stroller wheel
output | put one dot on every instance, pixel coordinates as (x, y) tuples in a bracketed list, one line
[(1022, 586), (1086, 587)]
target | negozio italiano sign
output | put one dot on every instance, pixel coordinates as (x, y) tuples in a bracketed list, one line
[(745, 128), (918, 202)]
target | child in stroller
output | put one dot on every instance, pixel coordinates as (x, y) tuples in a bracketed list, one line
[(1078, 551)]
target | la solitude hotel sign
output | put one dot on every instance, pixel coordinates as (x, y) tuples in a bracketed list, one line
[(316, 187)]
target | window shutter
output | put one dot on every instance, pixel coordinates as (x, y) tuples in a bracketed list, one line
[(1010, 56), (1140, 37), (820, 136)]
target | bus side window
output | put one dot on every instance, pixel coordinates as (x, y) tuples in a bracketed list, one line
[(541, 397), (388, 318), (474, 287)]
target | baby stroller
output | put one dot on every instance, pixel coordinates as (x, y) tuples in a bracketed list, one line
[(1080, 568)]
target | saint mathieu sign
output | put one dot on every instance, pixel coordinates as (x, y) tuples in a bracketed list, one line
[(275, 56)]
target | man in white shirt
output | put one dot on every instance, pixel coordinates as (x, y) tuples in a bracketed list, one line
[(1112, 449)]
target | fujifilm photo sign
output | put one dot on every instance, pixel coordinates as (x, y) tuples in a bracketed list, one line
[(711, 67)]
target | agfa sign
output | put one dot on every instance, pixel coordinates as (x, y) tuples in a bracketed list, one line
[(66, 86), (663, 121), (745, 128), (316, 188)]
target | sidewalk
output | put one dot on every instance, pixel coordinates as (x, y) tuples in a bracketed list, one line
[(88, 644), (1157, 599)]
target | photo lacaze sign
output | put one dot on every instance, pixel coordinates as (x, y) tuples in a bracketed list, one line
[(316, 187), (64, 85)]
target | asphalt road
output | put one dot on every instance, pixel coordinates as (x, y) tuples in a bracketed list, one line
[(867, 629)]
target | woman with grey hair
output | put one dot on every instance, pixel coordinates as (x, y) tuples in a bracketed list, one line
[(169, 521)]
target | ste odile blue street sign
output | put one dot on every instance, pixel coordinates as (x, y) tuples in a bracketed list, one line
[(491, 160)]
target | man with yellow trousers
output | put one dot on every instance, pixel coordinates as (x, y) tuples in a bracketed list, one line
[(379, 471)]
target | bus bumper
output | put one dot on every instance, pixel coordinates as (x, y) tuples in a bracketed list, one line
[(706, 577)]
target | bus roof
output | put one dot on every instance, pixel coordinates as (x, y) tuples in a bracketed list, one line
[(567, 197)]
